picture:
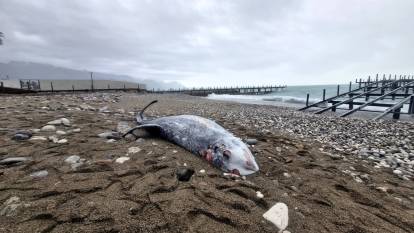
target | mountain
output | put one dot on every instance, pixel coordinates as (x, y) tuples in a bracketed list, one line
[(30, 70)]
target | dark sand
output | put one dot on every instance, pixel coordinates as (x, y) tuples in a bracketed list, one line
[(143, 194)]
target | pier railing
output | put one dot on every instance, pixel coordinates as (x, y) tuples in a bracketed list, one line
[(253, 90), (397, 90)]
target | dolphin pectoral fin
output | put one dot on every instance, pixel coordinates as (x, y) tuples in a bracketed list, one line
[(148, 127)]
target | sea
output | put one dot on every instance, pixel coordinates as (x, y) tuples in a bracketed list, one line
[(295, 96)]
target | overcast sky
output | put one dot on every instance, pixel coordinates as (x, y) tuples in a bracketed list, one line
[(206, 43)]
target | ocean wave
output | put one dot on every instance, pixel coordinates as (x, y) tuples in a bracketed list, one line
[(268, 98)]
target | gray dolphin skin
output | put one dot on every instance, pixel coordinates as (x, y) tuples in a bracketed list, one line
[(202, 137)]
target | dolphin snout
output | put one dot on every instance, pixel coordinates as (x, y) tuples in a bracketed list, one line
[(252, 166)]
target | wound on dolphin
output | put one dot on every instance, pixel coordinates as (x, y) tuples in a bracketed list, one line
[(202, 137)]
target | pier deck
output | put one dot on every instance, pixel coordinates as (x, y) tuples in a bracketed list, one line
[(397, 92)]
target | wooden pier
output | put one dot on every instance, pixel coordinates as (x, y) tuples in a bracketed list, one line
[(262, 90), (370, 92)]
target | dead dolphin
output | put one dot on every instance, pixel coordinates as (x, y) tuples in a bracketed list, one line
[(202, 137)]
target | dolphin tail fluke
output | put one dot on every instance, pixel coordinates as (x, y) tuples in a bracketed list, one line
[(140, 117)]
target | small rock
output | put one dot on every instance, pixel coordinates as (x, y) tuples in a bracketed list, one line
[(184, 173), (111, 141), (334, 156), (110, 135), (62, 141), (39, 174), (38, 138), (122, 160), (259, 195), (287, 175), (53, 139), (278, 215), (76, 130), (251, 141), (72, 159), (20, 137), (55, 122), (60, 132), (48, 128), (202, 171), (14, 161), (133, 150), (65, 121), (397, 172)]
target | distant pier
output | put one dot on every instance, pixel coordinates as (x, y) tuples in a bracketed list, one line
[(397, 90), (261, 90)]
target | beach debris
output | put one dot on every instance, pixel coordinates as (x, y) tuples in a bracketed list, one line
[(197, 134), (251, 141), (110, 135), (184, 173), (122, 160), (48, 128), (259, 195), (10, 206), (22, 136), (14, 161), (278, 215), (39, 174), (133, 150)]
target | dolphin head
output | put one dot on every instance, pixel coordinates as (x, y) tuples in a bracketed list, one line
[(236, 157)]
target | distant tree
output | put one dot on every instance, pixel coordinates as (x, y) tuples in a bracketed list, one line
[(1, 38)]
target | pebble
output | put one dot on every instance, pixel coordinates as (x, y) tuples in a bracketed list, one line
[(48, 128), (110, 135), (14, 160), (278, 215), (60, 132), (53, 139), (287, 175), (38, 138), (259, 195), (202, 171), (111, 141), (397, 172), (21, 137), (39, 174), (76, 130), (122, 160), (133, 150), (62, 141), (251, 141), (72, 159), (184, 173)]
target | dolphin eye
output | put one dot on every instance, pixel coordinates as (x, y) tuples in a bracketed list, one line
[(226, 154)]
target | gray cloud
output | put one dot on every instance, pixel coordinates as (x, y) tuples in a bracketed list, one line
[(212, 42)]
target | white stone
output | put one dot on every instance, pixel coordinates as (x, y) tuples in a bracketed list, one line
[(259, 195), (65, 121), (39, 174), (38, 138), (397, 172), (60, 132), (55, 122), (202, 171), (133, 150), (111, 141), (62, 141), (72, 159), (122, 159), (76, 130), (287, 175), (54, 139), (48, 128), (278, 215)]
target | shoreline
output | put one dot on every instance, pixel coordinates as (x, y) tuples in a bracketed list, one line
[(331, 172)]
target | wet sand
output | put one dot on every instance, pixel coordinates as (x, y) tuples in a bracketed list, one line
[(326, 190)]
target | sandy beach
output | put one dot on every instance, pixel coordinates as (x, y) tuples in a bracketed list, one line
[(334, 174)]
